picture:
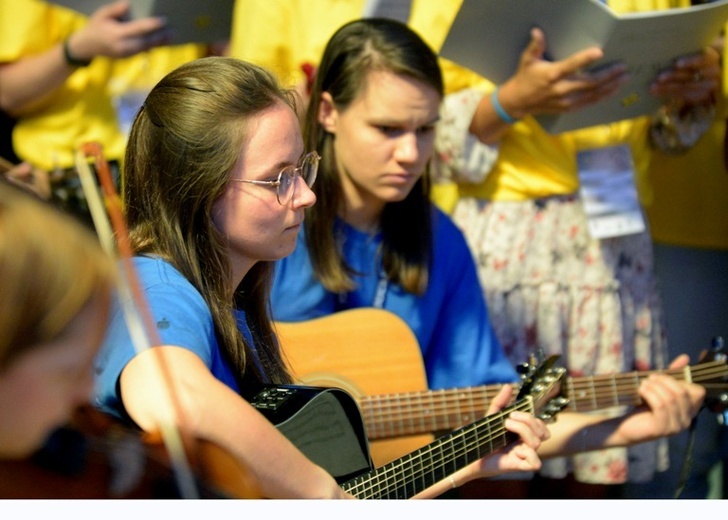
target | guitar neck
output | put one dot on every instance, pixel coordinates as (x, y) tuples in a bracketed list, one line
[(409, 475), (402, 414)]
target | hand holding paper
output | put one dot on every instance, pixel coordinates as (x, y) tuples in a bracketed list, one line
[(549, 88), (488, 36), (183, 21), (555, 87), (693, 79), (108, 33)]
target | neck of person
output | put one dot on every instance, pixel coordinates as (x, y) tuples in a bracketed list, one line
[(363, 216), (238, 269)]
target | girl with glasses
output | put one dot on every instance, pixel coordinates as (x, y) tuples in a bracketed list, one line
[(374, 239), (213, 197)]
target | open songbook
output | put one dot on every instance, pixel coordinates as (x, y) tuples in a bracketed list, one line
[(191, 21), (488, 37)]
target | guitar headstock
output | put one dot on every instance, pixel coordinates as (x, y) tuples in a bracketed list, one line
[(712, 373), (543, 382)]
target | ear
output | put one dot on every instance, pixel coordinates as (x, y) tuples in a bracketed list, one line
[(327, 113)]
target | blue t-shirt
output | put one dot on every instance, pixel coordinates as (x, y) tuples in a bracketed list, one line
[(450, 320), (182, 318)]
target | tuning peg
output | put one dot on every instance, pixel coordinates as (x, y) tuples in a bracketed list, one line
[(523, 368), (538, 356), (561, 402)]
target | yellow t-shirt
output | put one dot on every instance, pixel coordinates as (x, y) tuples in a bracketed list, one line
[(82, 109), (691, 193), (283, 35), (691, 190), (533, 163)]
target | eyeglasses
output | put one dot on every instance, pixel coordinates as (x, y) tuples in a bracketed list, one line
[(285, 184)]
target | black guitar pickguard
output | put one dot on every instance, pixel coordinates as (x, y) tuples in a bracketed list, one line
[(324, 423)]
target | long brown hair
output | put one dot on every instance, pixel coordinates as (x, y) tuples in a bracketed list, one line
[(183, 145), (352, 53)]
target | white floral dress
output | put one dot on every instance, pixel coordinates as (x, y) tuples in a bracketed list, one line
[(549, 285)]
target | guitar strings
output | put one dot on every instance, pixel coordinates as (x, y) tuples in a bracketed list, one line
[(600, 396), (419, 412), (458, 395), (389, 478)]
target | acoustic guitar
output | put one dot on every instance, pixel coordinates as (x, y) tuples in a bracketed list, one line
[(325, 424), (373, 355)]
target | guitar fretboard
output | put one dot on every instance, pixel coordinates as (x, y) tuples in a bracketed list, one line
[(415, 472), (410, 413), (411, 474)]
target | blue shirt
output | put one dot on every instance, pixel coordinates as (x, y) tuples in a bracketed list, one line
[(450, 320), (182, 319)]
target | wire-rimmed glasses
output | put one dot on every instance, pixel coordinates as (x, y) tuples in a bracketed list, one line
[(285, 184)]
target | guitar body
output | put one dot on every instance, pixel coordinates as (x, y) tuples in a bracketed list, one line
[(366, 351), (375, 357), (324, 423)]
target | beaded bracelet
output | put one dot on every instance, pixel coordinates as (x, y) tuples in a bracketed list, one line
[(72, 60), (505, 116)]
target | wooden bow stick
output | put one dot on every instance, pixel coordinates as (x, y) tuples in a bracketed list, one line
[(136, 310)]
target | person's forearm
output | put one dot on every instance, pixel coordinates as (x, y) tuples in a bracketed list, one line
[(279, 469), (487, 124), (28, 80), (206, 409), (575, 433)]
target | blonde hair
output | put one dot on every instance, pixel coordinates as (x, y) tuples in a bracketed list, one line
[(51, 267)]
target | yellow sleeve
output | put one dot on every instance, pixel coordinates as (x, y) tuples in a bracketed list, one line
[(445, 195), (627, 6), (282, 35), (262, 33)]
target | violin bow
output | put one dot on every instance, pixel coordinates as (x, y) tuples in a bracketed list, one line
[(114, 238)]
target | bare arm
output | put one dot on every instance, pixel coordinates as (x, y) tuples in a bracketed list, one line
[(543, 87), (670, 406), (213, 412), (29, 79), (28, 177)]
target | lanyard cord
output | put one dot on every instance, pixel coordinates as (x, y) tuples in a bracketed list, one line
[(380, 295)]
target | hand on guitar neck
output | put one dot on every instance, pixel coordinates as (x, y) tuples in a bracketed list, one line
[(516, 457), (668, 407)]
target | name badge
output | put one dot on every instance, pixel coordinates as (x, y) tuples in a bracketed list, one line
[(608, 192)]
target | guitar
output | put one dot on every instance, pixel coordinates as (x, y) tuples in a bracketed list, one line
[(353, 350), (325, 424)]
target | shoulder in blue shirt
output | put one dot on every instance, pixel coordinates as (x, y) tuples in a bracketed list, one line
[(450, 320), (182, 319)]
